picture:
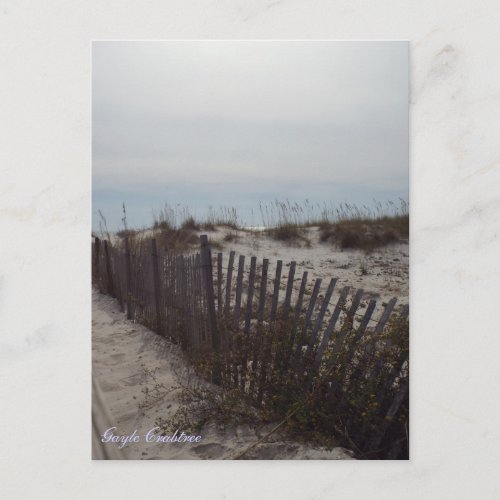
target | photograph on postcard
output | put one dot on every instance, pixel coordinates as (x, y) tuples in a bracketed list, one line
[(250, 250)]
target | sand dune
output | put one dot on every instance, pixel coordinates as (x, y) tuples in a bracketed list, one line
[(382, 273), (122, 352)]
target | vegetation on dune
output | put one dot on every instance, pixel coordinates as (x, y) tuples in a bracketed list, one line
[(347, 403), (366, 234), (347, 226)]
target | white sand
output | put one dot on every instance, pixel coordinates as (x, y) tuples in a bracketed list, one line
[(121, 350), (382, 274)]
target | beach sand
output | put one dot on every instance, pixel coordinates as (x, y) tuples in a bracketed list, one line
[(122, 354), (382, 273)]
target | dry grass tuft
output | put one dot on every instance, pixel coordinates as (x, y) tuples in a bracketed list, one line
[(177, 240), (190, 224), (366, 234)]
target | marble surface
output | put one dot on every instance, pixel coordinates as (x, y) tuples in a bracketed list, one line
[(45, 187)]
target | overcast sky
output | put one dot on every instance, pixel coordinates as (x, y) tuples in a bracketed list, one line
[(232, 123)]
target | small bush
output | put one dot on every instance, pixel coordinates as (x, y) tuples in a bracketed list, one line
[(366, 234)]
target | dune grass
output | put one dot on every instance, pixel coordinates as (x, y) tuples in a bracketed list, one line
[(366, 234), (346, 225)]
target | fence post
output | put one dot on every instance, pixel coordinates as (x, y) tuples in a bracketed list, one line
[(111, 288), (209, 284), (128, 278), (206, 263), (156, 282)]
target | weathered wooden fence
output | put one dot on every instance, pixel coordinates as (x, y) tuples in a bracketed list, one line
[(270, 339)]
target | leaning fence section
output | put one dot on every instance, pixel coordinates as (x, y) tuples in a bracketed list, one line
[(272, 333)]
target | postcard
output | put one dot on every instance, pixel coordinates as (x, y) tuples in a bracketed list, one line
[(250, 250)]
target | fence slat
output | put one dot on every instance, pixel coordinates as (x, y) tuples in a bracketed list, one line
[(385, 315), (196, 336), (184, 301), (178, 299), (248, 318), (329, 330), (380, 326), (251, 285), (97, 246), (289, 288), (229, 281), (201, 305), (319, 319), (276, 290), (237, 312), (157, 288), (288, 348), (354, 344), (111, 288), (128, 279), (271, 334), (368, 314), (197, 303), (239, 289), (219, 283), (380, 362), (394, 371), (307, 323), (260, 316), (393, 409), (171, 298), (346, 327), (298, 310)]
